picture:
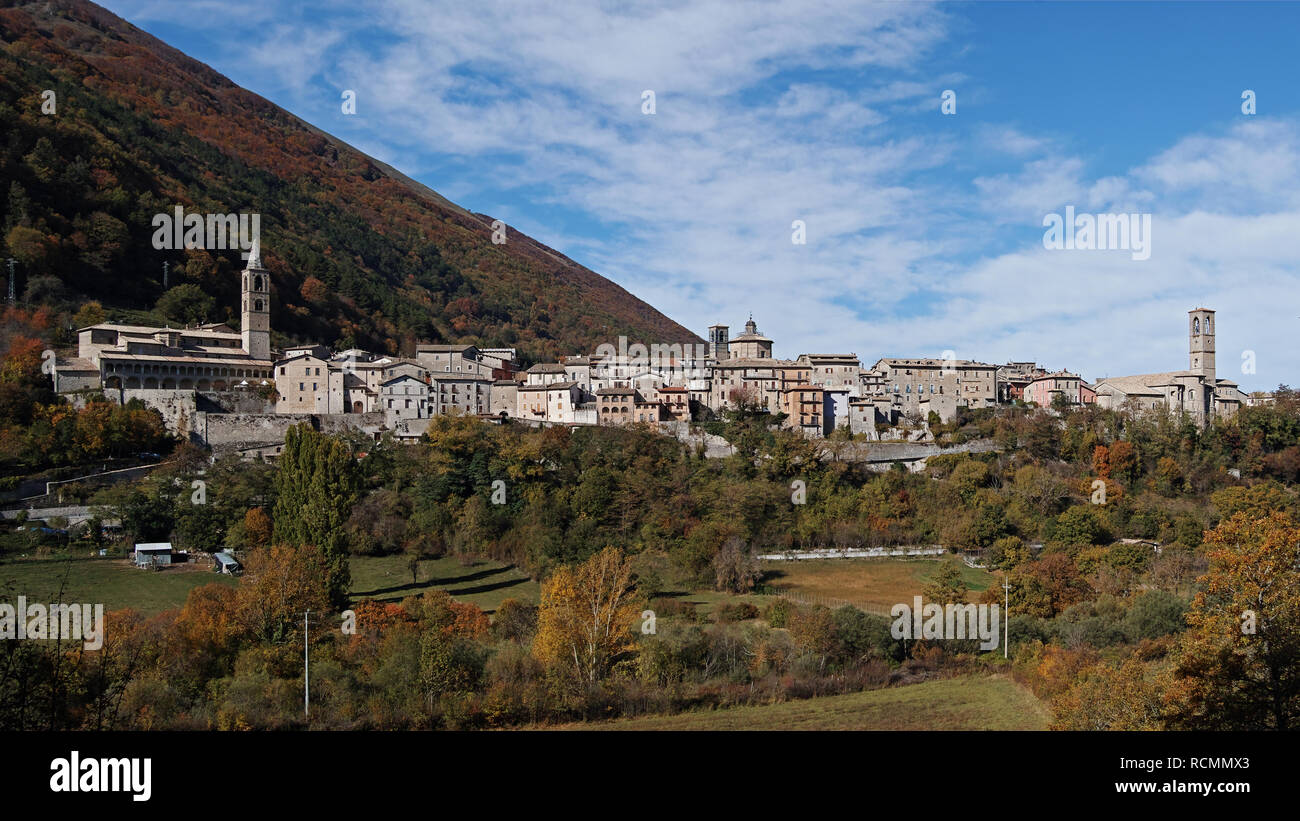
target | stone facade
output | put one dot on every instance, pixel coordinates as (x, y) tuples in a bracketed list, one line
[(1197, 392)]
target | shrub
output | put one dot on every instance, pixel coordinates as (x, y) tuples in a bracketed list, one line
[(778, 613), (736, 611)]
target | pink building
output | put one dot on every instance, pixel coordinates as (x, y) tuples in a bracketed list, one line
[(1044, 388)]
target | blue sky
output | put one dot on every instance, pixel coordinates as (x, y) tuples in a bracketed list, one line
[(924, 230)]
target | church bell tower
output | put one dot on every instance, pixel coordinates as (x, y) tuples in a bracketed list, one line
[(255, 306), (1200, 330)]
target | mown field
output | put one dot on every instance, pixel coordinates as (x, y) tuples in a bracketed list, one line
[(113, 582), (484, 583), (969, 703), (874, 585), (117, 584)]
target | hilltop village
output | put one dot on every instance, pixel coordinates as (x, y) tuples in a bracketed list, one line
[(229, 389)]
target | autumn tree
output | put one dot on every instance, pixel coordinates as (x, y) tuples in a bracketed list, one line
[(1101, 461), (257, 528), (1104, 697), (586, 619), (278, 585), (946, 586), (1124, 464), (734, 567), (1239, 665), (813, 630), (209, 627), (90, 313)]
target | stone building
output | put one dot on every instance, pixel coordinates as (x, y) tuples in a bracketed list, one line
[(549, 402), (616, 406), (910, 381), (1196, 391), (544, 373), (833, 370), (805, 408), (676, 402), (462, 359), (206, 358), (464, 393), (302, 383), (751, 344), (404, 397), (1014, 377)]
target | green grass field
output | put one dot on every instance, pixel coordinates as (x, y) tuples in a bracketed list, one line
[(117, 584), (970, 703), (874, 585), (113, 582), (485, 583)]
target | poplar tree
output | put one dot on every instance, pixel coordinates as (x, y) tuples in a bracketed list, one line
[(317, 484)]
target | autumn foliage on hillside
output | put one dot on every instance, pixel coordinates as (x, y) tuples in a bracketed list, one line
[(359, 255)]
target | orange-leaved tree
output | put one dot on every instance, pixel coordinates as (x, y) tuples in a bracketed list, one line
[(1239, 665), (278, 585)]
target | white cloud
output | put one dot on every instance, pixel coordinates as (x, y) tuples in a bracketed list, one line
[(767, 114)]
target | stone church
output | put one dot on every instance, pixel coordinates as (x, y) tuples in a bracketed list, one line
[(205, 358), (1196, 391)]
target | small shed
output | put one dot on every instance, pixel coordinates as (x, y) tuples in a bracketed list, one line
[(223, 562), (152, 554)]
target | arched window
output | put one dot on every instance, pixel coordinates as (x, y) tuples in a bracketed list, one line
[(257, 305), (257, 283), (1196, 324)]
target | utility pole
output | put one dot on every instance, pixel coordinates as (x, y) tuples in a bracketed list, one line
[(11, 279), (166, 269), (1006, 613), (306, 670)]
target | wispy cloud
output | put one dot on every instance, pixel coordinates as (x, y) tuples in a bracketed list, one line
[(923, 231)]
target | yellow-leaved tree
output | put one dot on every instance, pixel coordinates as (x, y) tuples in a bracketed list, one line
[(1239, 666), (587, 617)]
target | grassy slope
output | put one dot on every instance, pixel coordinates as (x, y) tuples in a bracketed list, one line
[(486, 583), (116, 584), (112, 582), (984, 703), (875, 585)]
